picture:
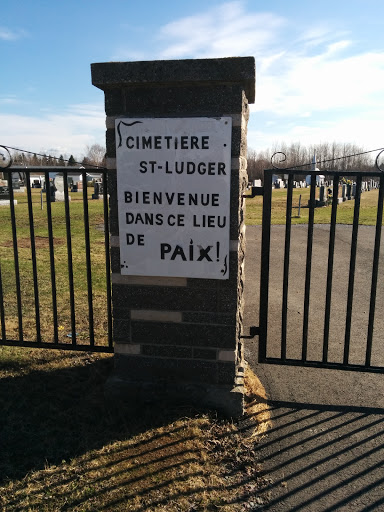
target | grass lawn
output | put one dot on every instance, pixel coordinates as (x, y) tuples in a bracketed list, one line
[(64, 448), (368, 209), (61, 268)]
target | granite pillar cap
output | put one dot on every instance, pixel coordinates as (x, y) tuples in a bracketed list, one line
[(186, 72)]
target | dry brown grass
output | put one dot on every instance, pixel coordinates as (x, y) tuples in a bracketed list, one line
[(63, 448), (256, 404)]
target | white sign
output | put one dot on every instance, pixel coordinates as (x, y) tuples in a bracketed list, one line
[(173, 182)]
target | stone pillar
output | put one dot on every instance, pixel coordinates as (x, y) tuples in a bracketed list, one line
[(180, 336)]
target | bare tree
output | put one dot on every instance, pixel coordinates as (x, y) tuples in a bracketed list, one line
[(329, 156), (95, 155)]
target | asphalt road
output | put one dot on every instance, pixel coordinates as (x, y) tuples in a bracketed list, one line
[(325, 450)]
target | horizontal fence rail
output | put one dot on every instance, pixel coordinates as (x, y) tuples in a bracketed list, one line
[(320, 282), (55, 270)]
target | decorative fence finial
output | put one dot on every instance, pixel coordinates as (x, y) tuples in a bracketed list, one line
[(377, 161), (5, 158), (280, 161)]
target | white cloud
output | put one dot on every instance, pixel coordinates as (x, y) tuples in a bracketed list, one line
[(323, 82), (9, 100), (7, 34), (319, 34), (362, 129), (316, 71), (67, 133), (224, 31)]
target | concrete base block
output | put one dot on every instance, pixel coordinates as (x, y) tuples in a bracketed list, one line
[(136, 394)]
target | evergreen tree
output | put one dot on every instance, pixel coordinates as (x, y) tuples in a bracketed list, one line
[(71, 161)]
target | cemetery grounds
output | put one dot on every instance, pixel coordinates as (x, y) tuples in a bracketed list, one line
[(368, 209), (62, 446)]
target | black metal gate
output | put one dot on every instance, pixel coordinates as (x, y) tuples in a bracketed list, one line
[(309, 333), (50, 295)]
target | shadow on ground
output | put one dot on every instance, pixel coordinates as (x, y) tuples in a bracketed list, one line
[(49, 415), (63, 447), (324, 457)]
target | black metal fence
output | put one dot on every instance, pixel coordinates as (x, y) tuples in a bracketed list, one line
[(55, 274), (326, 309)]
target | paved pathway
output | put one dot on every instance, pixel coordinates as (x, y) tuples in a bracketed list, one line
[(325, 451)]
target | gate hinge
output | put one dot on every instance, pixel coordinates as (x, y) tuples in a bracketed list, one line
[(254, 330), (255, 191)]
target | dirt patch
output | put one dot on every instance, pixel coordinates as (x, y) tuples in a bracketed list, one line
[(41, 242)]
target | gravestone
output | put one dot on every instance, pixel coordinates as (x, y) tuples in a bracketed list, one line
[(97, 190), (322, 196), (349, 190), (4, 194), (59, 186), (52, 191), (5, 197), (354, 190), (176, 160), (15, 183)]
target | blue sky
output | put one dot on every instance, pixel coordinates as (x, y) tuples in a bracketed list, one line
[(319, 65)]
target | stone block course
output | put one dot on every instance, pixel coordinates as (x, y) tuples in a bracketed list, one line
[(163, 298), (156, 316), (110, 140), (204, 317), (107, 75), (155, 369), (168, 351), (199, 335), (122, 329)]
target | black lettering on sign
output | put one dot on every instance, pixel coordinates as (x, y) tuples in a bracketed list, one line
[(165, 141), (131, 239), (171, 253)]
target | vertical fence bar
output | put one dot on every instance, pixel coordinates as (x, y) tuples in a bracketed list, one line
[(288, 223), (69, 258), (34, 261), (352, 266), (88, 259), (16, 257), (375, 270), (331, 252), (107, 257), (51, 256), (2, 311), (308, 266), (264, 273)]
